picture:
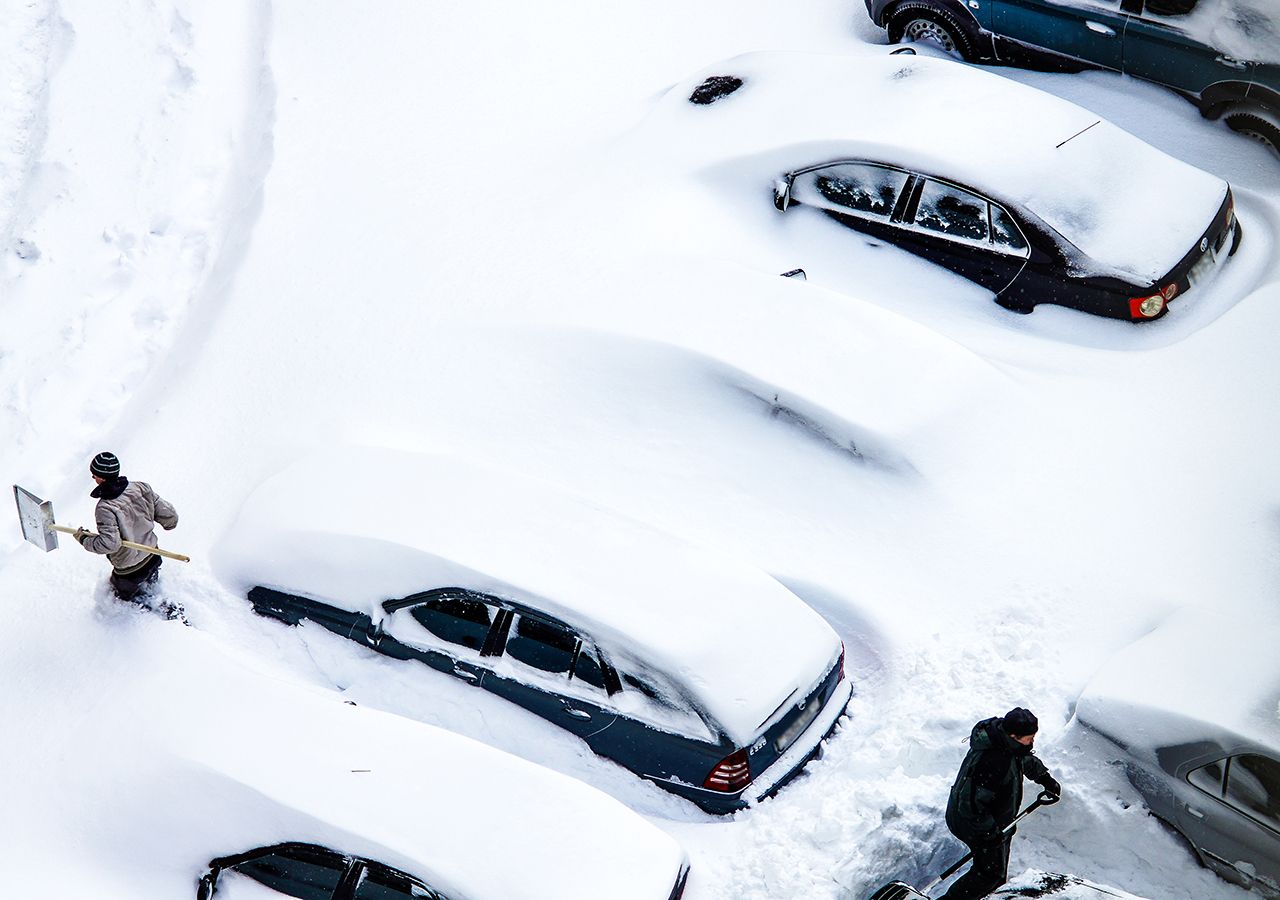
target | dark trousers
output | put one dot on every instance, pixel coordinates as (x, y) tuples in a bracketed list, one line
[(989, 870), (130, 587)]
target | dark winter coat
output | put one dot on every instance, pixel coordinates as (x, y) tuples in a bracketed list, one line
[(127, 510), (987, 792)]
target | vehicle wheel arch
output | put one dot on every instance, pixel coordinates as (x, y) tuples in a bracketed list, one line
[(1218, 97), (950, 13)]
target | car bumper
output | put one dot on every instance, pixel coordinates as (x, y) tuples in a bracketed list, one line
[(786, 767)]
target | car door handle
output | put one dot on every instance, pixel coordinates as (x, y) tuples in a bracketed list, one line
[(575, 713), (467, 675), (1233, 63), (1099, 28), (1195, 812)]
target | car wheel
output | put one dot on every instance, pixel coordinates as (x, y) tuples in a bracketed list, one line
[(925, 23), (1256, 123)]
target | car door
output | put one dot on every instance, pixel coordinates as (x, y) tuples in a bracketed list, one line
[(550, 670), (1159, 48), (1092, 30), (964, 232), (452, 630), (1237, 826)]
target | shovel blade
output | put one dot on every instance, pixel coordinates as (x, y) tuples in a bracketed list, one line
[(36, 517), (897, 890)]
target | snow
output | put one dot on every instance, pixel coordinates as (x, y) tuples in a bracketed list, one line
[(412, 522), (1084, 177), (1218, 673), (459, 229)]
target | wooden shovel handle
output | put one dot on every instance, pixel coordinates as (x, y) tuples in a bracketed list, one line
[(168, 554)]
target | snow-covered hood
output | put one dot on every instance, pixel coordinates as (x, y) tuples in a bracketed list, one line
[(359, 526), (1198, 676), (1129, 207)]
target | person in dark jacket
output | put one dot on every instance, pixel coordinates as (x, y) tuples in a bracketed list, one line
[(987, 794), (127, 511)]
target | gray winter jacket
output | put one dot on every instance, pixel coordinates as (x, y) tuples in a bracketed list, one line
[(128, 510)]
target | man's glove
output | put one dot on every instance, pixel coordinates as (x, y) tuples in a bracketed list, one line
[(1051, 786), (80, 534)]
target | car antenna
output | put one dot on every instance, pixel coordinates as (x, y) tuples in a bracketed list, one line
[(1077, 134)]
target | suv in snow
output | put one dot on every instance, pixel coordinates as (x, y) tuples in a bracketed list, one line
[(704, 676), (1223, 55)]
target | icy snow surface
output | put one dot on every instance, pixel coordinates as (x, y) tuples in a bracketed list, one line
[(235, 234)]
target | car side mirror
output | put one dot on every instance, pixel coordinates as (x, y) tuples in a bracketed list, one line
[(782, 193)]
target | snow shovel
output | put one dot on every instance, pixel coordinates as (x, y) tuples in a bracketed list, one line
[(36, 517), (898, 890)]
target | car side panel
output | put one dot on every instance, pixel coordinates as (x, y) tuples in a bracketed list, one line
[(1093, 33), (1232, 843), (1158, 50), (288, 608)]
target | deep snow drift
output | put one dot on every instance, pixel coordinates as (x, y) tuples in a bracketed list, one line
[(235, 234)]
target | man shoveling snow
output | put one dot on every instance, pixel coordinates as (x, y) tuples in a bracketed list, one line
[(127, 511)]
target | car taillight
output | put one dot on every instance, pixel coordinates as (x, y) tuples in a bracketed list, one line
[(842, 659), (1146, 307), (732, 773)]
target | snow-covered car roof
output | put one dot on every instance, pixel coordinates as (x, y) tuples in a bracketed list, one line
[(1198, 675), (1132, 209), (469, 820), (358, 526)]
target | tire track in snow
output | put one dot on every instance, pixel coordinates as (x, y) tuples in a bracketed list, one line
[(141, 198)]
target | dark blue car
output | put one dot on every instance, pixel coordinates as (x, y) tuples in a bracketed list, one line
[(1223, 55), (700, 674)]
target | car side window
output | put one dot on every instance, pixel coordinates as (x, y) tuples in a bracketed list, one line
[(308, 873), (953, 212), (542, 645), (1209, 778), (1253, 787), (858, 187), (1005, 233), (378, 882), (587, 668), (1169, 7), (457, 618)]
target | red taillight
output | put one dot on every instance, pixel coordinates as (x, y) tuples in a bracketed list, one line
[(1146, 307), (731, 774)]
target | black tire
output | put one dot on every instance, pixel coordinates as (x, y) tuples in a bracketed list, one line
[(1254, 122), (926, 22)]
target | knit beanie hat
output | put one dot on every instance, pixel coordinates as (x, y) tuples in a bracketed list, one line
[(1020, 722), (105, 465)]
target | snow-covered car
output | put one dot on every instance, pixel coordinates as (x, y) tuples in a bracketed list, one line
[(1029, 884), (1194, 708), (698, 673), (404, 798), (1065, 208), (1222, 55), (311, 872)]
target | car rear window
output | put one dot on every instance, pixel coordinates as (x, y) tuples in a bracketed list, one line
[(542, 645), (305, 873)]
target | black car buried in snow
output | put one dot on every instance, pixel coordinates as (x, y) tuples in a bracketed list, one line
[(1005, 247), (1030, 196)]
